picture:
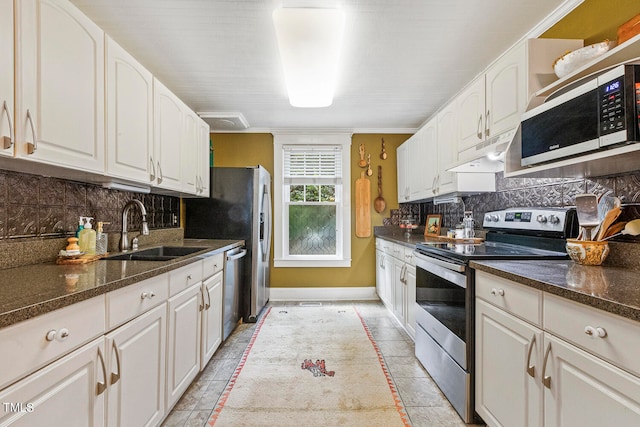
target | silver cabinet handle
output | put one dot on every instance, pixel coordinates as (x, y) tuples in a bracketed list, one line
[(7, 141), (32, 146), (101, 386), (153, 169), (115, 376), (206, 292), (497, 292), (546, 379), (59, 335), (531, 370), (487, 124), (160, 177), (479, 128), (189, 277), (202, 291), (51, 335)]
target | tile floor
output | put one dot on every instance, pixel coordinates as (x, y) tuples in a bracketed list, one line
[(425, 404)]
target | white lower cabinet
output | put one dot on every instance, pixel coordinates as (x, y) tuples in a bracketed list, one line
[(211, 317), (396, 282), (571, 367), (506, 347), (69, 392), (135, 363), (183, 345)]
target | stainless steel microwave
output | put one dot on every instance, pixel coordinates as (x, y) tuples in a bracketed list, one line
[(596, 115)]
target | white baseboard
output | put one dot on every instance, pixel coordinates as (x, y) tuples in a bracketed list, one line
[(323, 294)]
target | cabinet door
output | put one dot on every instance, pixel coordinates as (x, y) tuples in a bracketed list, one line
[(183, 344), (60, 86), (211, 317), (399, 290), (587, 391), (508, 368), (471, 115), (129, 116), (136, 370), (506, 92), (6, 78), (422, 161), (410, 317), (402, 154), (64, 393), (447, 149), (168, 133), (190, 148), (203, 157), (380, 275)]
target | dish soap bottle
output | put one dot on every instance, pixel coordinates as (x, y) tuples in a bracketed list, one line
[(80, 226), (101, 239), (88, 238)]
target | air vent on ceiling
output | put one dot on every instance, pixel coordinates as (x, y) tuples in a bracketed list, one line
[(225, 121)]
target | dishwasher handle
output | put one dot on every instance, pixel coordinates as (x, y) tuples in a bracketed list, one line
[(236, 255)]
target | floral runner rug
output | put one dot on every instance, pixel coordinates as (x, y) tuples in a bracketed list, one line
[(311, 366)]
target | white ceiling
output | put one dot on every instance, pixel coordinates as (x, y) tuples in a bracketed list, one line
[(402, 59)]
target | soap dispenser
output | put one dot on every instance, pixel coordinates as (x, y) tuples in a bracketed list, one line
[(80, 226), (88, 238), (101, 239)]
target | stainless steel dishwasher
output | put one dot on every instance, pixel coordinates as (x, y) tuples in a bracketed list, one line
[(233, 267)]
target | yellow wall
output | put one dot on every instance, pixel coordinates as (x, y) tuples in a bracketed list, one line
[(252, 149), (594, 20)]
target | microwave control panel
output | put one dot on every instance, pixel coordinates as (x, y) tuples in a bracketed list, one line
[(612, 106)]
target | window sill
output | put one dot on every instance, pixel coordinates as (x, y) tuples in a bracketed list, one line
[(312, 263)]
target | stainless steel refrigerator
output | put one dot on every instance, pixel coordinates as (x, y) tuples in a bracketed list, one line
[(239, 207)]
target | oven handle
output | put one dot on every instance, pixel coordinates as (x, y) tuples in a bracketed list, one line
[(449, 271)]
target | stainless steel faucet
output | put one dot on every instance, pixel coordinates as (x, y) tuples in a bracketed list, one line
[(124, 239)]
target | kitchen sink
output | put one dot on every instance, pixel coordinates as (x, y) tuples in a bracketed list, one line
[(162, 253)]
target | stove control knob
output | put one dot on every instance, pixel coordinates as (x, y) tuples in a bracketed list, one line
[(495, 218), (541, 219), (553, 219)]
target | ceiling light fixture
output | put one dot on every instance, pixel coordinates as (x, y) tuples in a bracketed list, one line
[(309, 40)]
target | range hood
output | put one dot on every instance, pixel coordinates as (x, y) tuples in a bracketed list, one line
[(487, 156)]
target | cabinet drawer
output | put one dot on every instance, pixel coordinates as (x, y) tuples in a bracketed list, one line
[(580, 324), (212, 264), (408, 256), (29, 345), (397, 251), (184, 277), (127, 303), (519, 300)]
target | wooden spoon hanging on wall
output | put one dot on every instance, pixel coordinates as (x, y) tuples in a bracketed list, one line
[(383, 154), (369, 171), (362, 163), (379, 203)]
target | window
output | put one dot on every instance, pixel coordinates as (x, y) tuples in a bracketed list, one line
[(313, 222)]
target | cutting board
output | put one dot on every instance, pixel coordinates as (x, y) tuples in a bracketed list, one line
[(363, 206), (82, 259)]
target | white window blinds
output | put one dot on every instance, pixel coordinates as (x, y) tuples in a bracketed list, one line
[(312, 164)]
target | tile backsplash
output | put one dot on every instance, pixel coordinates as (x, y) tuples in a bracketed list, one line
[(38, 206), (528, 192)]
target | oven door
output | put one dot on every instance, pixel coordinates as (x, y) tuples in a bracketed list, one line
[(441, 293)]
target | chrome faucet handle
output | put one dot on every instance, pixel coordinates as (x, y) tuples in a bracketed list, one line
[(134, 243)]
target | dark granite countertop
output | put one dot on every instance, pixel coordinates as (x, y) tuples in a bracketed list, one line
[(36, 289), (397, 235), (612, 289)]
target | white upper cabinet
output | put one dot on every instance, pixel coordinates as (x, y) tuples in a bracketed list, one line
[(402, 158), (422, 157), (129, 116), (493, 103), (6, 78), (471, 115), (190, 147), (59, 86), (202, 157), (168, 134), (446, 149)]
